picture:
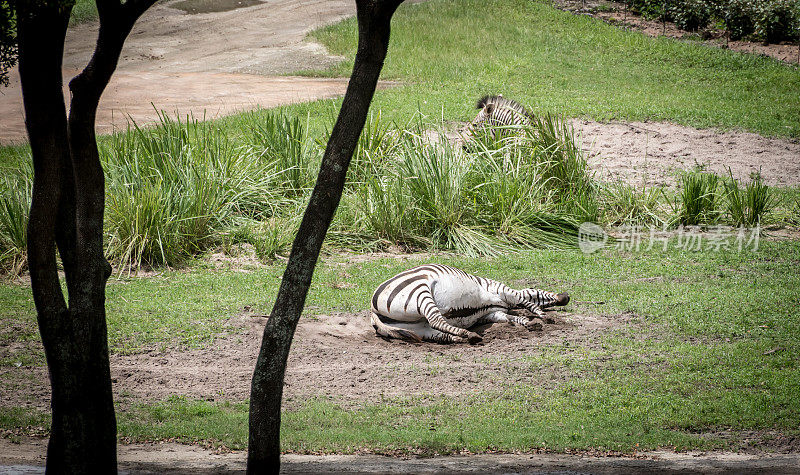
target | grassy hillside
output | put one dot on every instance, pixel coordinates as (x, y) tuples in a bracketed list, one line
[(450, 52)]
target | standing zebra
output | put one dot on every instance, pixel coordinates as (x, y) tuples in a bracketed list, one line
[(494, 112), (439, 303)]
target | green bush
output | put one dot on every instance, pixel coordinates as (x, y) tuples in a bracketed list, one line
[(738, 18), (777, 20), (768, 20), (647, 8), (690, 15)]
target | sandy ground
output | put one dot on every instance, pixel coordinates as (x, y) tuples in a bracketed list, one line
[(208, 64), (336, 356), (653, 153)]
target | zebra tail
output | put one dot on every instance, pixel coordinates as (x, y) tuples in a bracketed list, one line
[(392, 332)]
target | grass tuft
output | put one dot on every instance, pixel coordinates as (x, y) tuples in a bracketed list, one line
[(749, 206), (16, 186), (698, 198)]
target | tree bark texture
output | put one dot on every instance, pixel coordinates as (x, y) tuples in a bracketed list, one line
[(67, 213), (374, 18)]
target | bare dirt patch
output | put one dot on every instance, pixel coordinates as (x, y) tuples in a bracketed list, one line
[(335, 356), (654, 153), (338, 356)]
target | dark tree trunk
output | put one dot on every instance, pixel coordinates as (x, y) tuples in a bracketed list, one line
[(67, 213), (374, 19)]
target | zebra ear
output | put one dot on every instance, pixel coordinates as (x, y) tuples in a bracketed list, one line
[(489, 108)]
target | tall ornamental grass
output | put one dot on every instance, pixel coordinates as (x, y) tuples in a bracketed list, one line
[(747, 207), (698, 198), (624, 204), (171, 188), (16, 186), (527, 188), (181, 187), (283, 143)]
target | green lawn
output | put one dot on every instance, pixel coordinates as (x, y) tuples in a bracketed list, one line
[(695, 359), (450, 52)]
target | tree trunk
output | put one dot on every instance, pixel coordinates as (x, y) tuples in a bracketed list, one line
[(83, 432), (374, 19), (67, 212)]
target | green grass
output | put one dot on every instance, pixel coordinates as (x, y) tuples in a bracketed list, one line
[(448, 56), (83, 11), (698, 198), (692, 361)]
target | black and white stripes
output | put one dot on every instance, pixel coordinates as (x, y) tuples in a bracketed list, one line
[(497, 112), (439, 303)]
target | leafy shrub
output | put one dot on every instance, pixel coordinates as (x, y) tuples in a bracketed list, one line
[(777, 20), (738, 17), (689, 15), (769, 20), (647, 8)]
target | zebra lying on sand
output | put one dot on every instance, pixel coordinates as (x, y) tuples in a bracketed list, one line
[(497, 111), (439, 303)]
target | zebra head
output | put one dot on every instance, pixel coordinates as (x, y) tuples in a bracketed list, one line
[(496, 111), (536, 298)]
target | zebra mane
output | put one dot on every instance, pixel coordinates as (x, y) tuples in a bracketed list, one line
[(500, 101)]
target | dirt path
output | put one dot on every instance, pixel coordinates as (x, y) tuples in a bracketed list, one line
[(28, 457), (206, 64)]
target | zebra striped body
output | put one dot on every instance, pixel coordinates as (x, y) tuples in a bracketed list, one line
[(440, 303), (497, 111)]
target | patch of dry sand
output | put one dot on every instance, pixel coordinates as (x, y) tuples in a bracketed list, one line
[(653, 153)]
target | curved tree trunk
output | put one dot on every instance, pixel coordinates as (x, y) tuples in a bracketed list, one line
[(67, 213), (374, 19)]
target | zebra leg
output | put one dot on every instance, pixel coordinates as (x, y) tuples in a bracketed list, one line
[(438, 322), (435, 336), (497, 317), (502, 317), (435, 319), (538, 312), (530, 324)]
